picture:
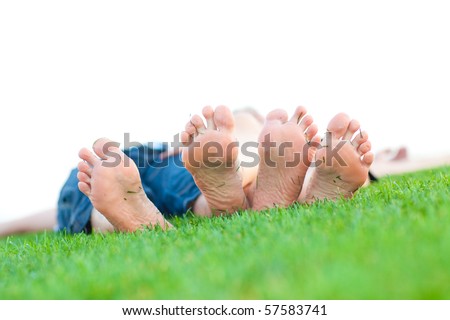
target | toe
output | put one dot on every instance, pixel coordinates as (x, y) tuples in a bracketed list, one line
[(224, 119), (277, 115), (299, 113), (104, 147), (306, 122), (190, 128), (311, 132), (198, 124), (352, 128), (83, 177), (339, 125), (368, 158), (185, 138), (208, 113), (88, 156), (365, 147), (85, 188), (85, 168), (360, 138), (314, 143)]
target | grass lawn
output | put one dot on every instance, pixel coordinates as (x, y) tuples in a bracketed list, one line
[(391, 241)]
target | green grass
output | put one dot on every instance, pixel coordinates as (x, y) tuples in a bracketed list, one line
[(391, 241)]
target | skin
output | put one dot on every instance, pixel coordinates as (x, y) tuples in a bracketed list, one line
[(341, 176), (212, 157), (285, 155), (121, 205), (116, 191)]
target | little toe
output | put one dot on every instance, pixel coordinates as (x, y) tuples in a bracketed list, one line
[(185, 138), (339, 125), (368, 158), (198, 124), (352, 128), (85, 188), (208, 113), (190, 128), (314, 143), (299, 113), (224, 119)]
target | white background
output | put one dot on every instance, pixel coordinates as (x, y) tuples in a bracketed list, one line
[(71, 72)]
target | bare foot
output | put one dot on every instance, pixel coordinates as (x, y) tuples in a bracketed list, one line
[(285, 156), (112, 183), (211, 157), (341, 165)]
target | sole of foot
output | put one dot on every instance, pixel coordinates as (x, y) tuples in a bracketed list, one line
[(211, 156), (285, 152), (341, 164), (112, 183)]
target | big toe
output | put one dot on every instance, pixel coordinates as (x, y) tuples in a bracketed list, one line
[(338, 126), (105, 148), (277, 115), (223, 118)]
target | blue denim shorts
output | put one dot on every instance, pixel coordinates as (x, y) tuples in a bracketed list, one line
[(165, 180)]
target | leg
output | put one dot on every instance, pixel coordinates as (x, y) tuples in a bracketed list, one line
[(42, 221), (392, 155), (111, 182), (201, 207), (99, 223), (249, 124), (383, 167)]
